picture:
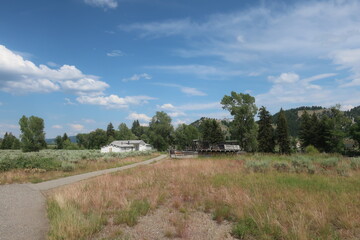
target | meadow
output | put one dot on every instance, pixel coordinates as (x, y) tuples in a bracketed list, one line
[(258, 196), (19, 167)]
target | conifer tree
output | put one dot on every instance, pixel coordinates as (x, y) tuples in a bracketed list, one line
[(282, 133), (266, 138), (110, 131)]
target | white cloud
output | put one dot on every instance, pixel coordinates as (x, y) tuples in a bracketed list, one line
[(285, 78), (57, 126), (20, 76), (105, 4), (9, 126), (76, 127), (139, 116), (350, 59), (115, 53), (167, 106), (137, 77), (298, 91), (346, 107), (91, 121), (68, 102), (114, 101), (187, 90), (52, 64)]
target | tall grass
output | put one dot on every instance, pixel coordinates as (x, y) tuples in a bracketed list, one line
[(268, 204)]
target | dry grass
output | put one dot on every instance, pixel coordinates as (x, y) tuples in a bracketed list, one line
[(270, 205), (38, 175)]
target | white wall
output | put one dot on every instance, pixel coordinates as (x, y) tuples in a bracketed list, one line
[(108, 149)]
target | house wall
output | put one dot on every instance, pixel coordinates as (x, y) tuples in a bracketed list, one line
[(108, 149), (144, 148)]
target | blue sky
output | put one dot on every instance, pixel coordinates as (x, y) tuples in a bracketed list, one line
[(80, 64)]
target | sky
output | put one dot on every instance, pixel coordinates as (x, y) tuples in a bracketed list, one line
[(80, 64)]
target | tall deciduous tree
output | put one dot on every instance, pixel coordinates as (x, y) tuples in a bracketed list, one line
[(124, 133), (266, 137), (355, 131), (242, 107), (160, 131), (32, 133), (282, 134)]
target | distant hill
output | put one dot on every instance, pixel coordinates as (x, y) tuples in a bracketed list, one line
[(353, 113), (52, 140)]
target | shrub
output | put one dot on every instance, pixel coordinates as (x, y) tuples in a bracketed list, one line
[(67, 166), (303, 164), (281, 166), (329, 162), (311, 149), (355, 163), (257, 166)]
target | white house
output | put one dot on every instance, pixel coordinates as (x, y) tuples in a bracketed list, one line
[(126, 146)]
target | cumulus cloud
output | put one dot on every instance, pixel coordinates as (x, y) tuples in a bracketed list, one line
[(137, 77), (285, 78), (105, 4), (167, 106), (20, 76), (139, 116), (114, 101), (115, 53)]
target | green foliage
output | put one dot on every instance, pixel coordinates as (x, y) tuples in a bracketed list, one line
[(211, 132), (124, 133), (110, 131), (257, 165), (67, 166), (160, 131), (9, 142), (310, 149), (329, 162), (266, 135), (246, 228), (24, 161), (303, 164), (355, 163), (355, 130), (223, 212), (184, 136), (282, 134), (281, 166), (130, 216), (32, 134), (137, 129), (242, 107)]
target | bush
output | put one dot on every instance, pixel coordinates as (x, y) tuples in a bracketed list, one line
[(329, 162), (67, 166), (311, 149), (281, 166), (303, 164), (355, 163), (257, 166), (29, 162), (223, 212)]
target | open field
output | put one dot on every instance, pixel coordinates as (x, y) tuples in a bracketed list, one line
[(18, 167), (245, 197)]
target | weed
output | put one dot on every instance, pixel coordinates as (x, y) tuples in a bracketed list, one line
[(245, 228), (355, 163), (130, 216), (281, 166), (257, 166), (67, 166), (328, 163), (223, 212)]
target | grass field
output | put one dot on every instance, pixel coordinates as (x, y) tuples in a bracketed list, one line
[(19, 167), (263, 196)]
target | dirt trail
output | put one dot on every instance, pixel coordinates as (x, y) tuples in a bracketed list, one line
[(23, 208)]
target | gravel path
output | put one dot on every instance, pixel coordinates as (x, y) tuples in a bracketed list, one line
[(23, 208)]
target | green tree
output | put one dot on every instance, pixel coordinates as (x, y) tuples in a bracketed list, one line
[(266, 137), (242, 107), (124, 133), (355, 131), (110, 131), (282, 134), (82, 140), (97, 139), (160, 133), (211, 132), (32, 133), (10, 142), (65, 137), (137, 129), (184, 136), (59, 142)]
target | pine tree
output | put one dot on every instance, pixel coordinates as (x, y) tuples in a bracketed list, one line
[(137, 129), (304, 131), (266, 132), (110, 131), (282, 134)]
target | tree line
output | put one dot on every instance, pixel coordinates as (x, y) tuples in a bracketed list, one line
[(324, 131)]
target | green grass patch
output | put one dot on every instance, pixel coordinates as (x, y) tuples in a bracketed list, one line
[(68, 222), (130, 216)]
